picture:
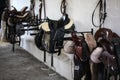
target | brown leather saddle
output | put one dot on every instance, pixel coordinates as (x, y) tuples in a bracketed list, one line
[(81, 48), (81, 58), (103, 37)]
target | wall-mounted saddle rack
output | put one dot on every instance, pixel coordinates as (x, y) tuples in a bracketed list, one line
[(70, 38)]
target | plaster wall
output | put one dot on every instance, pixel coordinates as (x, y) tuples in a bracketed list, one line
[(81, 12)]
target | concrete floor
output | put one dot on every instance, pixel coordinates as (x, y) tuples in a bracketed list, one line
[(20, 65)]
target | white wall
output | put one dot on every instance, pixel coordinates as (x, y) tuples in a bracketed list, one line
[(81, 12), (19, 4), (113, 18)]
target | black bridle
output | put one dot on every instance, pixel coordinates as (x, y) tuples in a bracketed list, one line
[(63, 7), (42, 6), (102, 13)]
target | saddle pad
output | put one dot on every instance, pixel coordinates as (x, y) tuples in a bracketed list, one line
[(44, 26), (90, 41)]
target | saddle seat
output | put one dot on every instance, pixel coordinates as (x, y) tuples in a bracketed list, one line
[(45, 26)]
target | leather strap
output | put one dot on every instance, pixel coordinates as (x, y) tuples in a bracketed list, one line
[(102, 13), (63, 7), (40, 9), (45, 17)]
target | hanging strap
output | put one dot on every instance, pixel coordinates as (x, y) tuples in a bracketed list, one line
[(45, 17), (102, 13), (40, 9), (63, 7), (42, 6)]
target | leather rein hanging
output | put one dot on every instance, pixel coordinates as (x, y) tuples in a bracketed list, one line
[(102, 13), (40, 9), (42, 6), (63, 7)]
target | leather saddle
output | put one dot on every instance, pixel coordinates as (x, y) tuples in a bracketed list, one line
[(68, 24), (81, 47), (17, 16), (20, 12), (20, 16), (53, 33), (81, 58), (104, 38)]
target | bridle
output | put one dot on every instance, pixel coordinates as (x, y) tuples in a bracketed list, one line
[(102, 13), (63, 7)]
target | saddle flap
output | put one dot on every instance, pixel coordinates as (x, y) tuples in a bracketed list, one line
[(110, 62)]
